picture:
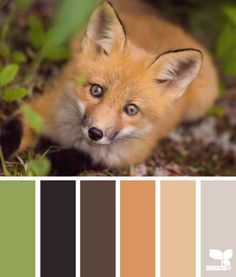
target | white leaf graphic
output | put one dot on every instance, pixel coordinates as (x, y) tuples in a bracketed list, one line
[(228, 254), (216, 254), (226, 262)]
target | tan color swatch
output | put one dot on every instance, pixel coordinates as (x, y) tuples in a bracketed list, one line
[(137, 229), (178, 229)]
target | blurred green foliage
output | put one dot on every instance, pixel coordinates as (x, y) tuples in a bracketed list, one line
[(226, 43), (37, 35), (18, 69), (8, 74), (80, 80), (40, 167), (22, 4), (14, 93), (70, 19), (48, 44), (33, 118), (213, 22)]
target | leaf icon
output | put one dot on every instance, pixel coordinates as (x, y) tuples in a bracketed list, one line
[(216, 254), (228, 254), (226, 262)]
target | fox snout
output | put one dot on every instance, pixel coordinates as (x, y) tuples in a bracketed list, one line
[(96, 134)]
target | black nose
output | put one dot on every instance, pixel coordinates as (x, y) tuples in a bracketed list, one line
[(95, 133)]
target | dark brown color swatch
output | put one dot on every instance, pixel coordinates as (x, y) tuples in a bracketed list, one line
[(57, 228), (97, 228)]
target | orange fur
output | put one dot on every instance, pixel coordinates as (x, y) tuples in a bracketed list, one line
[(126, 66)]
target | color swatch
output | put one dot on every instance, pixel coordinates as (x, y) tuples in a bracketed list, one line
[(17, 228), (118, 228), (58, 228), (178, 228), (137, 228), (98, 228), (218, 228)]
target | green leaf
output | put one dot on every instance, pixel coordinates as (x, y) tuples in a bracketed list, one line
[(18, 57), (33, 118), (13, 94), (4, 50), (70, 19), (81, 80), (56, 54), (8, 74), (222, 87), (225, 41), (3, 164), (37, 35), (216, 111), (23, 3), (230, 12), (229, 64), (38, 167)]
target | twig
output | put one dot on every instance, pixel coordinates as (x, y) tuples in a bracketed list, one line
[(6, 25), (33, 69), (4, 168), (3, 3)]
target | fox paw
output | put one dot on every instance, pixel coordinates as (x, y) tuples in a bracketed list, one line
[(65, 162), (10, 136)]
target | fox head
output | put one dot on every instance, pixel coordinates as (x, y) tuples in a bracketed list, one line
[(125, 89)]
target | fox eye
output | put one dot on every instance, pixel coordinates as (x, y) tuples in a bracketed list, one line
[(96, 91), (131, 109)]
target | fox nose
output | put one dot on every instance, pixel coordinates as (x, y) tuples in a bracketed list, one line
[(95, 133)]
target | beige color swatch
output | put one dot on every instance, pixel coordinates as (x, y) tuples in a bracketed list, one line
[(137, 229), (178, 229)]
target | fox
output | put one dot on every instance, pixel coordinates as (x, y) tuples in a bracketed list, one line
[(140, 77)]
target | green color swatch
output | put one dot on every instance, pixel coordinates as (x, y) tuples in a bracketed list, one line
[(17, 228)]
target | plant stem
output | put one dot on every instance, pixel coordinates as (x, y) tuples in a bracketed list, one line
[(6, 25), (33, 68), (4, 168), (3, 3)]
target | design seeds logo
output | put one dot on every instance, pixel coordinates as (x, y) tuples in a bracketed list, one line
[(223, 257)]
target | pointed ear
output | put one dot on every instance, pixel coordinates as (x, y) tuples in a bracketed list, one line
[(105, 30), (175, 70)]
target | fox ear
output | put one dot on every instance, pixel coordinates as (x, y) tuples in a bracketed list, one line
[(105, 30), (175, 70)]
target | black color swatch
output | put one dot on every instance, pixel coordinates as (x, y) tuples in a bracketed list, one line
[(58, 229)]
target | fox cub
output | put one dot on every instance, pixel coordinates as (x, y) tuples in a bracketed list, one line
[(140, 76)]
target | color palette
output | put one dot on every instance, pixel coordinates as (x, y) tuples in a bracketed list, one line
[(118, 228)]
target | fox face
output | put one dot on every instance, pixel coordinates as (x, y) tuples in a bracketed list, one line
[(117, 99), (125, 90)]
